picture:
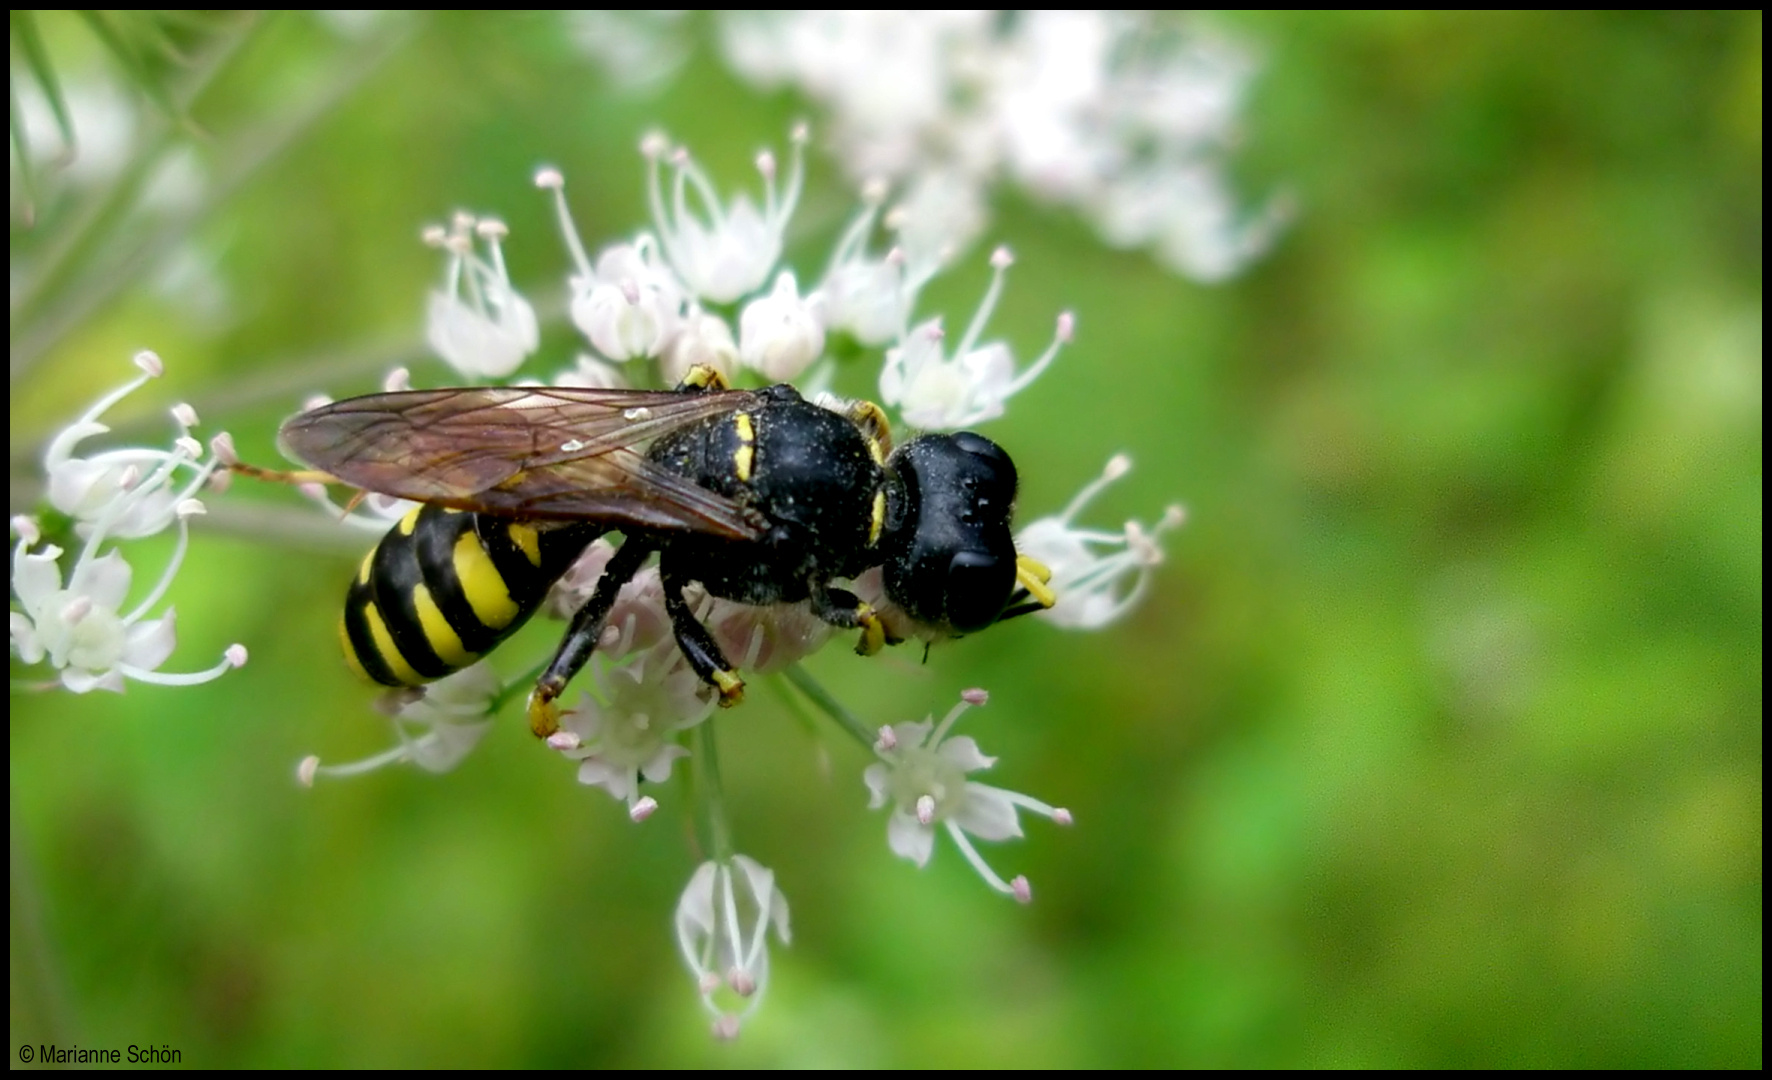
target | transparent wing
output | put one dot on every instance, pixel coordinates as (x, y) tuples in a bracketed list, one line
[(540, 452)]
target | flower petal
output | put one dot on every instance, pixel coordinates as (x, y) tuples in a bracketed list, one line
[(987, 813), (908, 838)]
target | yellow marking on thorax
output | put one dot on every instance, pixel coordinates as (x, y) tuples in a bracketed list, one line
[(746, 454), (481, 583), (344, 640), (444, 641), (410, 521), (878, 520), (363, 570), (526, 538), (385, 648)]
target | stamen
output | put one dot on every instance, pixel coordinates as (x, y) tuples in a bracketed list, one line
[(741, 982), (553, 180), (972, 856), (642, 809)]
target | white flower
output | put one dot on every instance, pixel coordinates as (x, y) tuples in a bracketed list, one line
[(922, 773), (936, 392), (436, 725), (723, 920), (79, 626), (638, 50), (780, 335), (722, 253), (1125, 116), (1090, 587), (589, 372), (868, 296), (940, 215), (891, 78), (632, 733), (132, 491), (762, 638), (477, 323), (705, 340)]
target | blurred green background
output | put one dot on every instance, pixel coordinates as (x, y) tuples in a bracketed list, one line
[(1436, 743)]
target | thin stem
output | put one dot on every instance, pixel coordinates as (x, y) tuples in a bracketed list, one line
[(710, 797), (829, 705)]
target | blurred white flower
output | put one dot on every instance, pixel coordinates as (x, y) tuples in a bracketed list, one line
[(127, 492), (781, 334), (638, 50), (477, 323), (705, 340), (922, 773), (78, 624), (723, 920), (938, 392), (1091, 587), (721, 252), (1126, 116), (594, 374)]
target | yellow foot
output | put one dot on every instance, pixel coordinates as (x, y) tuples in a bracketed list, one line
[(731, 688), (873, 632), (544, 715)]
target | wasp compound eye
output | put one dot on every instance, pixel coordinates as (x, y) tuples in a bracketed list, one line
[(978, 586)]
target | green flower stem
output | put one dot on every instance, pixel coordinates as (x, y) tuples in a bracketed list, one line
[(830, 706), (710, 796)]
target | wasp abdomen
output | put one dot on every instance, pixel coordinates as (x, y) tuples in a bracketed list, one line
[(444, 587)]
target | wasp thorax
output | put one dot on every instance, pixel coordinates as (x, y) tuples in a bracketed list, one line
[(949, 556)]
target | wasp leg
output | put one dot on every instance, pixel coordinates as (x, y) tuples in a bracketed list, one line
[(581, 637), (696, 642), (842, 608), (871, 420), (705, 378)]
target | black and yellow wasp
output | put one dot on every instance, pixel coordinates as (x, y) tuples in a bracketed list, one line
[(760, 496)]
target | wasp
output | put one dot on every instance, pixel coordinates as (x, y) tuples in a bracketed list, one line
[(760, 496)]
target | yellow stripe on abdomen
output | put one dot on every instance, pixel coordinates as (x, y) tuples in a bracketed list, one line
[(482, 584), (387, 650), (443, 639)]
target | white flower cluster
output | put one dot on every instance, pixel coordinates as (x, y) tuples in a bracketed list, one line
[(706, 286), (1125, 116), (76, 621)]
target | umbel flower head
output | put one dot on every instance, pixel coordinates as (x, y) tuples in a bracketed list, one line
[(78, 622), (706, 285)]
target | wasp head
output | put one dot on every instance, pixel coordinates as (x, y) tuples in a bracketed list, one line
[(949, 555)]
